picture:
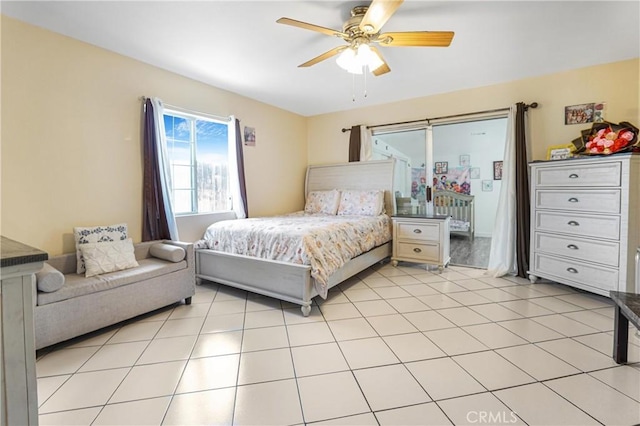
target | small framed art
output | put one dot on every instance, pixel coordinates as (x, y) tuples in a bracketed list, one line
[(441, 167), (497, 170), (487, 185), (249, 136), (465, 160), (474, 172)]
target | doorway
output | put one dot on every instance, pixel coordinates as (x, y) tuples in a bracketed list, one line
[(467, 158)]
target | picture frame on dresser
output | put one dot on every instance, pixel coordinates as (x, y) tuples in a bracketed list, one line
[(584, 230)]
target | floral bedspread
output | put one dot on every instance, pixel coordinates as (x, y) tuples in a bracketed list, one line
[(324, 242)]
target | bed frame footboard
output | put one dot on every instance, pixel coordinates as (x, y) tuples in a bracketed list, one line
[(281, 280)]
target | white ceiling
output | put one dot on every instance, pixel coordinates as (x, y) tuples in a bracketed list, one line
[(238, 46)]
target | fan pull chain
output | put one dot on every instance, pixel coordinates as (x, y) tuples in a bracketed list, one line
[(365, 71), (353, 88)]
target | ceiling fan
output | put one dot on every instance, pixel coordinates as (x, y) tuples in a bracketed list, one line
[(362, 31)]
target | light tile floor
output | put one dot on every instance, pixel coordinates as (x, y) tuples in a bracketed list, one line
[(391, 346)]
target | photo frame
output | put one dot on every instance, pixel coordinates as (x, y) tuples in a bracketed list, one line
[(560, 152), (584, 113), (487, 186), (497, 170), (474, 172), (249, 136), (465, 160), (441, 167)]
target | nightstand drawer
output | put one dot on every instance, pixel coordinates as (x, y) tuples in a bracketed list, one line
[(420, 252), (597, 201), (591, 251), (595, 276), (589, 175), (577, 224), (418, 231)]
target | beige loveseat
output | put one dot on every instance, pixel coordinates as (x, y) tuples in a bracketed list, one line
[(84, 304)]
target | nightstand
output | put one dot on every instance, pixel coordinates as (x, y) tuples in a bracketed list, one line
[(421, 239)]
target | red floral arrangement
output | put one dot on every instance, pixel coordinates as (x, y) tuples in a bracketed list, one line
[(609, 138)]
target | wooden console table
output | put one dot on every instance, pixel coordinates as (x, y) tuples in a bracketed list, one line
[(627, 309), (18, 393)]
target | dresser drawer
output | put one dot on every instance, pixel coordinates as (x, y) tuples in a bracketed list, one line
[(418, 231), (597, 201), (594, 276), (419, 252), (578, 224), (590, 251), (591, 175)]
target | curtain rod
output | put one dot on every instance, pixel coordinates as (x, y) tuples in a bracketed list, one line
[(531, 105), (188, 111)]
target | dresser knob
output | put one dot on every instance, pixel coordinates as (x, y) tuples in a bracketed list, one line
[(572, 247), (417, 231), (573, 223), (417, 250), (572, 270), (573, 200), (573, 176)]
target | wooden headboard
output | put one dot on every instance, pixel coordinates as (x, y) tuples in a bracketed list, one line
[(357, 175)]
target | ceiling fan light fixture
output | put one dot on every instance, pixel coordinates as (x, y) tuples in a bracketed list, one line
[(348, 61), (354, 60)]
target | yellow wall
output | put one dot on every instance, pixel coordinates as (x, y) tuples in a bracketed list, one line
[(615, 83), (71, 129), (71, 151)]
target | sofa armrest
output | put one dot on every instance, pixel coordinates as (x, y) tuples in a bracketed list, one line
[(188, 248)]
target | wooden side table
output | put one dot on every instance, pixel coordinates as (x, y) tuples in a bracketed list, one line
[(421, 239)]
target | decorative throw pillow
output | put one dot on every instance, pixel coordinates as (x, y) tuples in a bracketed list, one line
[(325, 202), (96, 234), (103, 257), (167, 252), (49, 279), (362, 203)]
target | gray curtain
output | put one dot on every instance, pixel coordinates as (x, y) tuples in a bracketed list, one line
[(523, 215), (240, 159), (155, 225), (354, 144)]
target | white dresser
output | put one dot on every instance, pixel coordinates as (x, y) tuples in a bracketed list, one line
[(421, 239), (585, 222)]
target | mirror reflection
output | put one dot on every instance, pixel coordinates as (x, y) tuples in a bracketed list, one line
[(409, 148)]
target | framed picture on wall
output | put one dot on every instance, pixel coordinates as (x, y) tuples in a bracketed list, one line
[(475, 172), (497, 170), (465, 160), (487, 185), (441, 167)]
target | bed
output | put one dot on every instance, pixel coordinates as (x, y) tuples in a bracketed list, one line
[(461, 209), (293, 282)]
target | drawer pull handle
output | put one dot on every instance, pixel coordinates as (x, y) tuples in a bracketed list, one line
[(573, 223), (572, 247), (573, 200), (417, 231), (573, 176), (572, 270), (417, 250)]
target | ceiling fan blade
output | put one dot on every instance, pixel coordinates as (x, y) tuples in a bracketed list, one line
[(312, 27), (325, 55), (378, 13), (416, 38), (382, 69)]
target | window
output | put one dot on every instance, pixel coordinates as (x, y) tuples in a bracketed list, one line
[(198, 156)]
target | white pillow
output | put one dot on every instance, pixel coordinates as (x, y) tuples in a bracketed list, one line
[(322, 202), (49, 279), (167, 252), (100, 258), (361, 203), (96, 234)]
